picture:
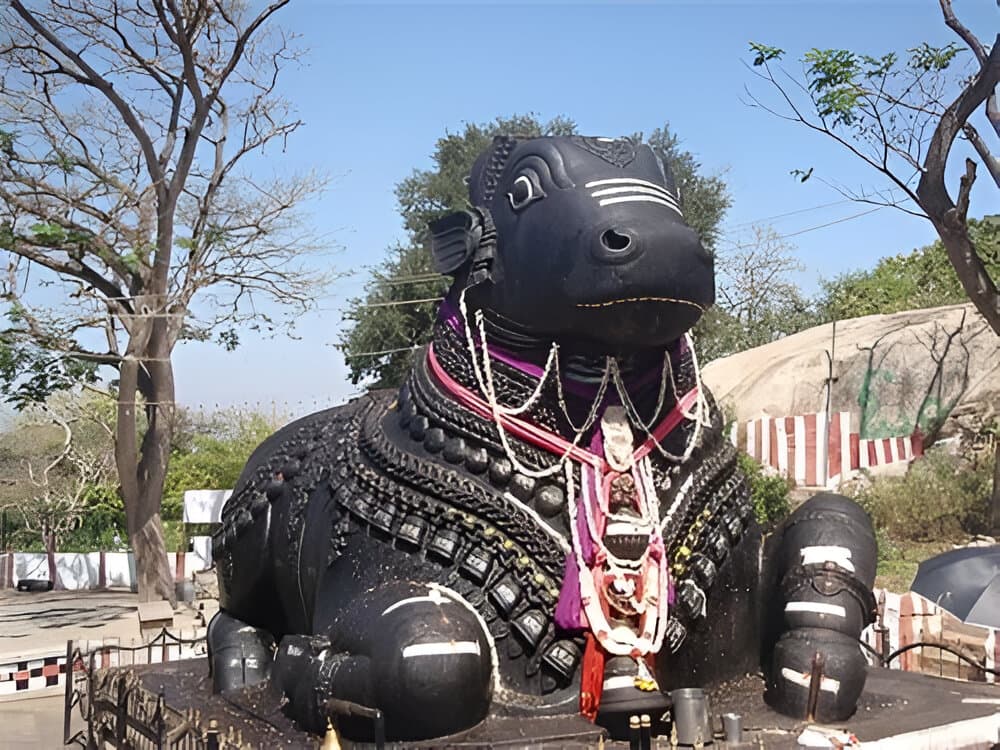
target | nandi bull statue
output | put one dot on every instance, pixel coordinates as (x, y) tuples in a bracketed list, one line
[(546, 518)]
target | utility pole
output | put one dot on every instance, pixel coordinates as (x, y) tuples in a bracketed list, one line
[(831, 355)]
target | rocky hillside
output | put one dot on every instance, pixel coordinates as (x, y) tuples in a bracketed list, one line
[(937, 369)]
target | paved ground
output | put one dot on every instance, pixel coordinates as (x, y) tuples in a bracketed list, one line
[(893, 701), (33, 723), (30, 622), (35, 623)]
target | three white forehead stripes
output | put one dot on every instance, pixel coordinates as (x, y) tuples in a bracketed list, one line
[(636, 191)]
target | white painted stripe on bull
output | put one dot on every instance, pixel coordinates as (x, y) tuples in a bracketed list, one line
[(800, 450), (620, 681), (840, 556), (827, 684), (659, 192), (640, 199), (460, 600), (632, 181), (441, 648), (779, 430), (435, 597), (819, 608)]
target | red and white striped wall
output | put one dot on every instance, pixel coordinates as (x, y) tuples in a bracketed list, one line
[(39, 671), (795, 447), (28, 675)]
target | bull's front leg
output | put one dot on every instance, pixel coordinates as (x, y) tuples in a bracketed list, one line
[(239, 654), (417, 654), (824, 566)]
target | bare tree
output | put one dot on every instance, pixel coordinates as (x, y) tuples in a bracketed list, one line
[(60, 469), (755, 288), (128, 215)]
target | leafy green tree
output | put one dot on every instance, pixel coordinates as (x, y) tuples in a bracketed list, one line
[(902, 115), (212, 455), (385, 325), (919, 279)]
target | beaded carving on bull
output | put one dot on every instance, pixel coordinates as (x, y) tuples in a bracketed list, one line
[(546, 518)]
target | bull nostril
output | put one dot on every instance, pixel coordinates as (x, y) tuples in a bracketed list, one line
[(615, 241)]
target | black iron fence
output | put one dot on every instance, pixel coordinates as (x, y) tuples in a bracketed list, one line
[(119, 711)]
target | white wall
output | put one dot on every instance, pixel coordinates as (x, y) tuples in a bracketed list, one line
[(81, 570)]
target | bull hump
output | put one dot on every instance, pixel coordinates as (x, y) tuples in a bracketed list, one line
[(296, 456)]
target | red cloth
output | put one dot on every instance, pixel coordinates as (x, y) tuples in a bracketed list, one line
[(591, 678)]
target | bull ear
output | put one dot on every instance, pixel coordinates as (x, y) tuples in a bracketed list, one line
[(454, 239)]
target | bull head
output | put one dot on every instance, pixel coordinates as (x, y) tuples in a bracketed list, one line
[(577, 240)]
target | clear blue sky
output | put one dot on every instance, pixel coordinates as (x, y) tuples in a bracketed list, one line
[(383, 81)]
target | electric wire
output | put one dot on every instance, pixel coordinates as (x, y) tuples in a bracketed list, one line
[(751, 222), (430, 276), (399, 303)]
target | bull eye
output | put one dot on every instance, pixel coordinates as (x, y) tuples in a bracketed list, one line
[(527, 188), (521, 193)]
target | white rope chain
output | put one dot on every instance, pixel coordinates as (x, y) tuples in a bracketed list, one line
[(551, 361), (699, 416), (487, 385)]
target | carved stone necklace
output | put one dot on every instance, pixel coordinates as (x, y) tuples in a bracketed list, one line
[(617, 570)]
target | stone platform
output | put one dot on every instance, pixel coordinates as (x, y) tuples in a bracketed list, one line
[(897, 710)]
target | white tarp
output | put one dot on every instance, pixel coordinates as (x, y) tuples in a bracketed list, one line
[(204, 506), (81, 570)]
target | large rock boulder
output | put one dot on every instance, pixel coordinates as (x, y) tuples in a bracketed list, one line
[(936, 369)]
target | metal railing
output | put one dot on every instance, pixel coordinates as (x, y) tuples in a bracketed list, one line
[(120, 711)]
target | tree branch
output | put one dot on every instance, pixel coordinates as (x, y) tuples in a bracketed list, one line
[(931, 190), (93, 79), (966, 36), (991, 162), (961, 213), (825, 129)]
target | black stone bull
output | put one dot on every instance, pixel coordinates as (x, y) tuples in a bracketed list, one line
[(546, 518)]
